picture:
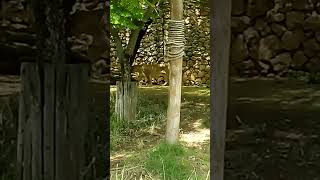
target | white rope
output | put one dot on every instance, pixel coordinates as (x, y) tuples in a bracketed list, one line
[(176, 39)]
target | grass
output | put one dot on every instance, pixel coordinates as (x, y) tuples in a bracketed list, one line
[(137, 147)]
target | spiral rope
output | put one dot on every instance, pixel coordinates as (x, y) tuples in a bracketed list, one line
[(176, 39)]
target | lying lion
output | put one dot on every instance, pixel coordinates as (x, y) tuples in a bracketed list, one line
[(151, 73)]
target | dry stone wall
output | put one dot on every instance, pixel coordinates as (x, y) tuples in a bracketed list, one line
[(17, 37), (272, 38), (269, 38), (196, 62)]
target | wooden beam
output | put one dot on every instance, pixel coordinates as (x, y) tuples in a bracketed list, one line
[(220, 49)]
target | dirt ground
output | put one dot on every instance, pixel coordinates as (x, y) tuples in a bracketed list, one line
[(278, 136)]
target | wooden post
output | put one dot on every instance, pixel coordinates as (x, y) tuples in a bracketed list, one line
[(220, 47), (175, 79), (126, 100), (51, 137)]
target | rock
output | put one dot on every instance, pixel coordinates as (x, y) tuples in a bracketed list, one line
[(202, 67), (239, 50), (268, 47), (262, 26), (309, 53), (192, 77), (184, 77), (283, 58), (312, 23), (238, 7), (258, 7), (311, 44), (313, 64), (99, 68), (279, 67), (292, 40), (207, 68), (264, 65), (308, 34), (271, 75), (298, 59), (281, 62), (198, 81), (283, 5), (254, 51), (246, 68), (294, 19), (201, 74), (277, 17), (317, 7), (239, 24), (302, 5), (278, 29), (251, 35), (317, 36)]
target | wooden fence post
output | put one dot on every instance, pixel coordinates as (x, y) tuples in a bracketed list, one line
[(220, 49), (51, 138)]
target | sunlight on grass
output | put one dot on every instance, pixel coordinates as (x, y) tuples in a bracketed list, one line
[(168, 161), (136, 148)]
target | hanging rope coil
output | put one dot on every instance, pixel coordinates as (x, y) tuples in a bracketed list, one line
[(176, 39)]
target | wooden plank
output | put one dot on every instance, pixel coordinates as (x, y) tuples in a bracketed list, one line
[(60, 154), (21, 124), (35, 122), (78, 115), (28, 108), (71, 120), (49, 122), (61, 131), (220, 49)]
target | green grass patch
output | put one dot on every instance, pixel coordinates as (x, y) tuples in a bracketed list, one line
[(170, 161)]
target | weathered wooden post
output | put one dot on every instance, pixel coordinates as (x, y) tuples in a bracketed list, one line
[(51, 135), (126, 100), (220, 47), (53, 104), (175, 57)]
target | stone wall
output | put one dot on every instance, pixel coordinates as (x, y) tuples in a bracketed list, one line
[(17, 37), (196, 62), (269, 38)]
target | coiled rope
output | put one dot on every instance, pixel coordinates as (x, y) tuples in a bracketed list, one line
[(176, 39)]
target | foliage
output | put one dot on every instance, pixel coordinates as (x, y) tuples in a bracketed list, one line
[(311, 78), (130, 14)]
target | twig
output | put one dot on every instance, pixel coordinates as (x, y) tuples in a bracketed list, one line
[(85, 171)]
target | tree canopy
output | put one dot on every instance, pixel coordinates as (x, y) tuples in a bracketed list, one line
[(131, 14)]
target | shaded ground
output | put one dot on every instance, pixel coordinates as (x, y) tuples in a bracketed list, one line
[(279, 138)]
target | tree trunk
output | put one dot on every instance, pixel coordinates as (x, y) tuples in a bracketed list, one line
[(51, 137), (127, 91), (175, 77), (126, 100), (220, 48)]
